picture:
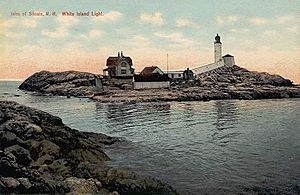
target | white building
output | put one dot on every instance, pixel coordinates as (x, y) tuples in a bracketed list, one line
[(218, 48), (172, 74), (150, 84), (175, 74), (227, 60), (151, 77)]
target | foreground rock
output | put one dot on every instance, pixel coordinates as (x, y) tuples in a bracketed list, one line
[(39, 154), (223, 83)]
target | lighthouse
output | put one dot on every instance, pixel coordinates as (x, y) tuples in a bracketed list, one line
[(220, 61), (218, 48)]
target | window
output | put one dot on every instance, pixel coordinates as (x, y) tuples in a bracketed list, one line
[(123, 64), (123, 71), (179, 75)]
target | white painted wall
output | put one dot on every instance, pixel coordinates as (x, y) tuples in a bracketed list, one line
[(151, 85), (126, 67), (175, 75), (218, 51), (158, 70), (208, 67), (229, 61)]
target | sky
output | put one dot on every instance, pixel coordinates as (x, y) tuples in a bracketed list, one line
[(263, 35)]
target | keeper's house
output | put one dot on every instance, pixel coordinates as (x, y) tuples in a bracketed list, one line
[(151, 77), (119, 67)]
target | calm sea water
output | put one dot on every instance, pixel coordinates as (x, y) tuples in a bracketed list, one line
[(216, 147)]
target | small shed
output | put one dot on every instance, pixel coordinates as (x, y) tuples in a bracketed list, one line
[(175, 74), (188, 74), (228, 60), (151, 81)]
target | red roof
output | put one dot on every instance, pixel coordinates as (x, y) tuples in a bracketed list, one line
[(148, 70), (114, 61)]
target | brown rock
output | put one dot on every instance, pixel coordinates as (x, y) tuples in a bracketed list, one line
[(10, 182), (38, 153), (82, 186)]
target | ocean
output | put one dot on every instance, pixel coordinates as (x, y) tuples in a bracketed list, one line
[(215, 147)]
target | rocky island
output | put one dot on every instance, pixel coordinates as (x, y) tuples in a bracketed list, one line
[(69, 83), (39, 154), (223, 83)]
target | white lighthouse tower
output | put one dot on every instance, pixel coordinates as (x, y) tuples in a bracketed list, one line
[(218, 48)]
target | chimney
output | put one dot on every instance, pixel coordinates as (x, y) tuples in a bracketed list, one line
[(121, 53)]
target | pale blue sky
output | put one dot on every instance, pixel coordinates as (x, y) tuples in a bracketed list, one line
[(143, 28)]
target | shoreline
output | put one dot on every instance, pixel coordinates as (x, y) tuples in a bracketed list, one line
[(166, 95), (40, 154), (169, 95), (81, 85), (223, 83)]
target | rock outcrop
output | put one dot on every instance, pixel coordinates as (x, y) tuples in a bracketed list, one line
[(235, 83), (39, 154), (236, 74), (69, 83), (222, 83)]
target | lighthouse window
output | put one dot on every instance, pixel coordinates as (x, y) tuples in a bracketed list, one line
[(123, 71)]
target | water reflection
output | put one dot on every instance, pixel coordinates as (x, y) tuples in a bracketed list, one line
[(227, 114), (188, 114), (216, 147), (121, 112), (157, 107), (123, 116)]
